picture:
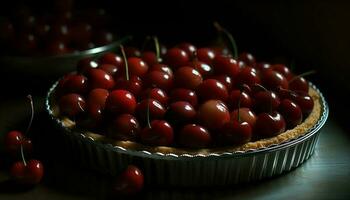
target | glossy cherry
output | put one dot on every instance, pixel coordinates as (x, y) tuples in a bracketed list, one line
[(299, 84), (265, 101), (71, 105), (158, 79), (212, 89), (74, 83), (120, 102), (248, 76), (236, 132), (225, 65), (273, 80), (137, 66), (100, 79), (247, 58), (269, 124), (133, 85), (291, 113), (162, 68), (284, 70), (159, 133), (13, 141), (180, 112), (246, 115), (85, 64), (129, 182), (27, 173), (124, 127), (156, 110), (236, 96), (176, 57), (203, 68), (227, 81), (194, 136), (181, 94), (187, 77), (189, 48), (150, 58), (213, 114), (304, 101), (262, 66), (112, 59), (109, 68), (206, 55), (155, 93)]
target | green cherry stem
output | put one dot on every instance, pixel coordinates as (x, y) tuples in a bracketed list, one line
[(156, 44), (125, 62), (302, 75), (229, 37)]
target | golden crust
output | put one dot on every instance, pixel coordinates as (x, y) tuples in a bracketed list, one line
[(297, 131)]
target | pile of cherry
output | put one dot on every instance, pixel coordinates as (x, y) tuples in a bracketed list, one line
[(185, 97)]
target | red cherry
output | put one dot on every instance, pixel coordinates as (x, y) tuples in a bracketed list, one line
[(13, 141), (248, 76), (227, 81), (75, 83), (160, 133), (299, 84), (124, 127), (187, 77), (56, 47), (176, 57), (181, 94), (29, 173), (85, 64), (149, 57), (156, 109), (246, 115), (266, 101), (137, 66), (97, 97), (155, 93), (120, 102), (291, 113), (71, 105), (100, 79), (109, 68), (225, 65), (304, 101), (213, 114), (133, 85), (269, 124), (180, 112), (112, 59), (194, 136), (103, 37), (247, 58), (212, 89), (132, 52), (129, 182), (59, 31), (243, 97), (206, 55), (203, 68), (262, 66), (158, 79), (284, 70), (235, 132), (273, 80), (189, 48), (162, 68)]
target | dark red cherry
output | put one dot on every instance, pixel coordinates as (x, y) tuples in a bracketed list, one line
[(206, 55), (150, 58), (203, 68), (103, 37), (235, 132), (248, 76), (213, 114), (269, 124), (187, 77), (299, 84), (124, 127), (246, 115), (304, 101), (129, 182), (120, 102), (158, 79), (243, 97), (156, 109), (266, 101), (112, 59), (25, 44), (291, 113), (132, 52), (247, 58), (137, 66), (71, 105), (212, 89), (160, 133), (176, 57), (155, 93), (180, 112), (194, 136), (84, 65), (162, 68), (13, 141), (109, 68), (284, 70), (97, 97), (225, 65), (181, 94), (261, 66), (273, 80), (59, 31), (227, 81), (75, 83), (56, 47), (100, 79), (189, 48), (29, 173), (133, 85)]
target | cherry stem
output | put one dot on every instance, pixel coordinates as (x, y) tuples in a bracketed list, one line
[(148, 112), (156, 44), (302, 75), (22, 155), (81, 108), (229, 37), (31, 113), (260, 86), (125, 62)]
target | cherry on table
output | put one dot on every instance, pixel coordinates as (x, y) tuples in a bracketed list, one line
[(182, 94), (120, 102), (129, 182), (213, 114), (124, 127), (187, 77), (29, 173), (13, 141), (194, 136), (212, 89), (269, 124), (159, 133), (291, 113)]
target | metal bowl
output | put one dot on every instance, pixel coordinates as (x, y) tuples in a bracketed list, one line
[(56, 65), (192, 170)]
